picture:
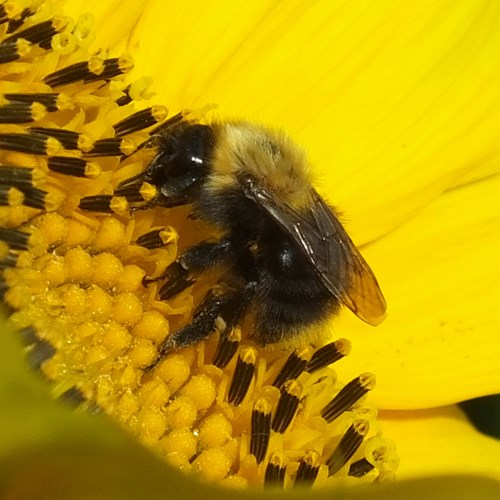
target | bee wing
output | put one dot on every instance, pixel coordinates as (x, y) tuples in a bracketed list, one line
[(330, 251), (358, 287)]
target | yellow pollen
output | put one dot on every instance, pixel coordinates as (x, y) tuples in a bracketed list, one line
[(215, 431), (212, 464), (110, 235), (201, 390), (153, 326), (79, 265), (148, 191), (119, 205)]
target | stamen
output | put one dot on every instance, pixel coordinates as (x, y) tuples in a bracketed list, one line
[(74, 73), (104, 203), (308, 469), (261, 429), (347, 446), (226, 348), (328, 354), (360, 468), (97, 203), (39, 350), (10, 196), (148, 191), (158, 238), (21, 112), (133, 192), (16, 176), (31, 144), (30, 197), (76, 167), (275, 471), (89, 71), (112, 147), (4, 16), (134, 180), (382, 454), (73, 396), (112, 67), (169, 123), (126, 98), (14, 50), (293, 367), (242, 376), (10, 260), (40, 33), (350, 394), (287, 406), (28, 336), (17, 21), (140, 120), (17, 240), (67, 138), (51, 100)]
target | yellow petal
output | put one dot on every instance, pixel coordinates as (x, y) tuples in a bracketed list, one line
[(440, 274), (439, 442), (396, 101), (114, 20)]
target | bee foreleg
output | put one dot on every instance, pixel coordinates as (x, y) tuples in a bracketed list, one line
[(180, 274)]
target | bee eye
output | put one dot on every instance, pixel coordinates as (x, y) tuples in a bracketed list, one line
[(181, 165), (184, 155), (193, 147)]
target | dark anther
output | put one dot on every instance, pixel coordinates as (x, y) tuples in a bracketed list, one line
[(293, 367), (24, 143), (261, 429), (17, 240), (98, 203), (242, 376), (226, 348), (287, 406), (328, 354), (140, 120), (16, 176), (73, 396), (347, 446), (308, 469), (68, 138), (360, 468), (49, 99), (76, 167), (348, 395), (275, 471)]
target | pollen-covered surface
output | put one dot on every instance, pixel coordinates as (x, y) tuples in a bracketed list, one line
[(73, 256)]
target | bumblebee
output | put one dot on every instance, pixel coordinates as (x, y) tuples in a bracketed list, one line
[(285, 259)]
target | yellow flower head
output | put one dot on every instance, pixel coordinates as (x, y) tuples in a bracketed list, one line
[(398, 103), (82, 269)]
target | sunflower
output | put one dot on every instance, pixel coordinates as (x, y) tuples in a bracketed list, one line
[(406, 120)]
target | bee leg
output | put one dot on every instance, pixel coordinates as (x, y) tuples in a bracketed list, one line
[(180, 274), (219, 311)]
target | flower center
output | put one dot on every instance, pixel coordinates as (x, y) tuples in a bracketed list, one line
[(74, 258)]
